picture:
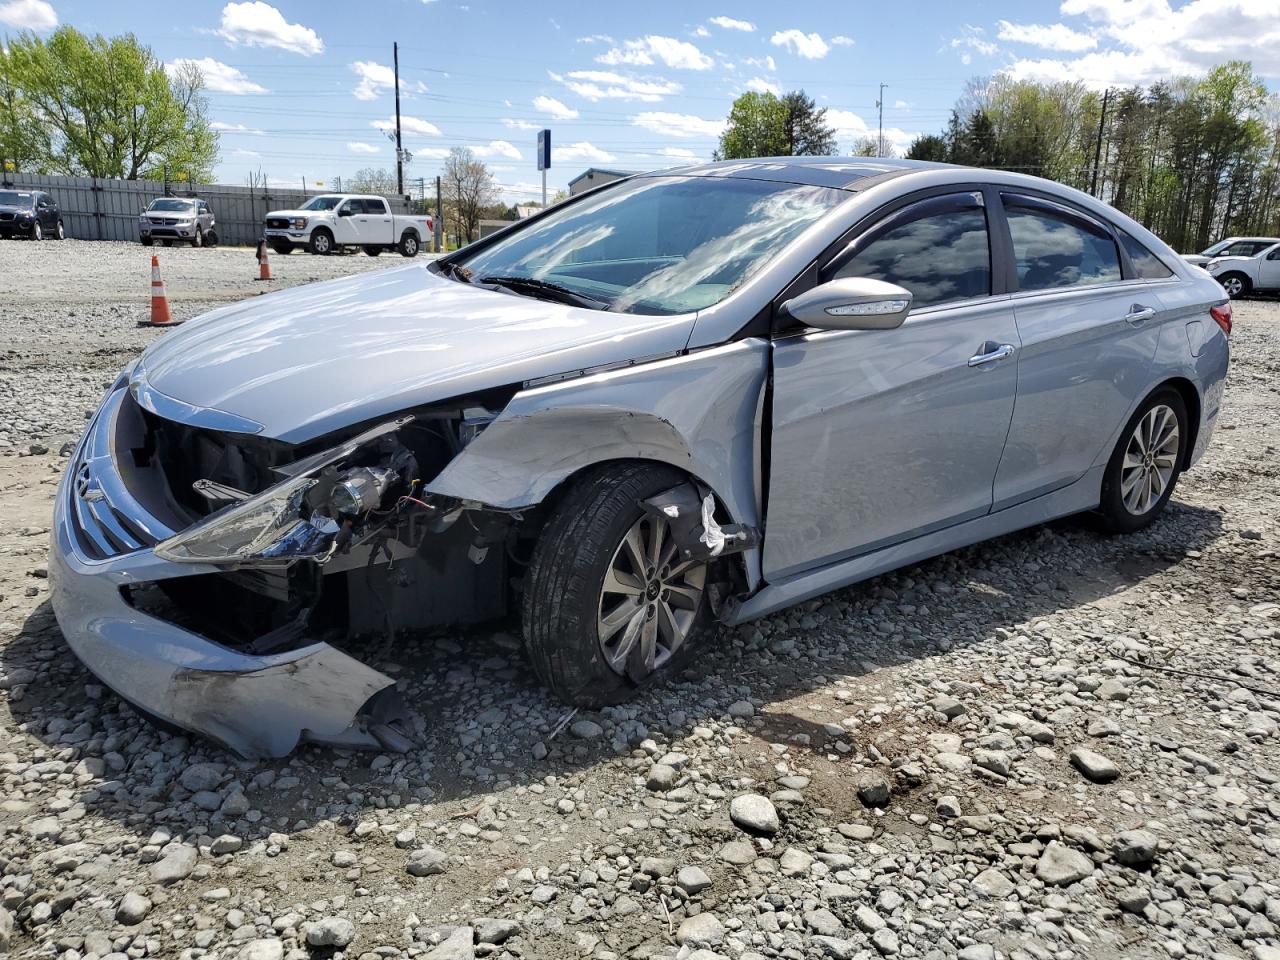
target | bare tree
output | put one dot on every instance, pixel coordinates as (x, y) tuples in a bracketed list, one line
[(468, 188), (377, 180)]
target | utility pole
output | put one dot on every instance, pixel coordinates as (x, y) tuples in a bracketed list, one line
[(1097, 147), (439, 230), (395, 58), (880, 134)]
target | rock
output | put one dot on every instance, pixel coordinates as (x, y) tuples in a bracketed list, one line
[(738, 852), (201, 776), (995, 761), (1112, 689), (331, 932), (835, 947), (133, 909), (754, 813), (1135, 848), (977, 951), (543, 893), (949, 707), (176, 864), (261, 950), (794, 862), (992, 884), (886, 941), (657, 867), (868, 920), (342, 859), (459, 945), (741, 709), (661, 778), (586, 730), (6, 929), (494, 930), (693, 880), (1060, 865), (1094, 766), (701, 930), (823, 922), (427, 862), (948, 807), (873, 790), (227, 843)]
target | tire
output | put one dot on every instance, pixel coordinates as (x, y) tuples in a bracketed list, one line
[(565, 594), (37, 231), (211, 238), (1236, 285), (372, 251), (145, 241), (321, 242), (198, 239), (165, 243), (409, 244), (61, 232), (283, 249), (1127, 507)]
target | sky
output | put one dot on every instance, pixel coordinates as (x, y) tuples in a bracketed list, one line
[(301, 90)]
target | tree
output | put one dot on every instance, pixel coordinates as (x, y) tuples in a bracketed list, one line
[(108, 107), (468, 188), (24, 140), (756, 128), (372, 180), (805, 129), (928, 146), (865, 147)]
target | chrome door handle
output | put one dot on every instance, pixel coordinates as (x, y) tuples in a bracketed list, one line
[(1138, 313), (999, 353)]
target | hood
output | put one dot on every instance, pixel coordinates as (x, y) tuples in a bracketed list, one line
[(310, 360), (1213, 261), (9, 208), (291, 214)]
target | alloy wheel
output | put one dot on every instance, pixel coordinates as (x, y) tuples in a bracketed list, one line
[(37, 232), (1149, 460), (649, 600), (1234, 286)]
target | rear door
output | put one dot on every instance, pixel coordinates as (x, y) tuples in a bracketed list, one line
[(879, 436), (1089, 328)]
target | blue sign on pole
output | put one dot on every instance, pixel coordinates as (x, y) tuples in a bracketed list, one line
[(544, 149)]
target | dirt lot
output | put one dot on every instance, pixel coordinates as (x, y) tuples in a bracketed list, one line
[(918, 738)]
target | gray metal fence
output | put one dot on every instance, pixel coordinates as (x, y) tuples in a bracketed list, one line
[(94, 208)]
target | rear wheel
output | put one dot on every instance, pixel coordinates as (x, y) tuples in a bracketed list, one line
[(1235, 284), (321, 242), (608, 604), (409, 245), (1145, 465)]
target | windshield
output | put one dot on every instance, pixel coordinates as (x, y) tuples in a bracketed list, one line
[(321, 203), (11, 198), (172, 205), (658, 245)]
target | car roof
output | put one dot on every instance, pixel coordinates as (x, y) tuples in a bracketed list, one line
[(846, 173)]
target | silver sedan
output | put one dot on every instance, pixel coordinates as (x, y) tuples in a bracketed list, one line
[(688, 397)]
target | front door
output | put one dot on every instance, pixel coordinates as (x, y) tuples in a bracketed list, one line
[(1269, 270), (346, 222), (880, 436)]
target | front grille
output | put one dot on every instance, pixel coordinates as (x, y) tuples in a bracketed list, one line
[(277, 223), (101, 530), (8, 216)]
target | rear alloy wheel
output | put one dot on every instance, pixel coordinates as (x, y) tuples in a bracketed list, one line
[(608, 604), (409, 245), (1144, 468), (1236, 285)]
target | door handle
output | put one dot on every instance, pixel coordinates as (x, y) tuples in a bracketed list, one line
[(1138, 313), (999, 353)]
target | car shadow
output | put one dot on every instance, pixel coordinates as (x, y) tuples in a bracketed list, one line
[(483, 724)]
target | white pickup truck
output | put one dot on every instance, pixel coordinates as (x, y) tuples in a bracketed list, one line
[(333, 220)]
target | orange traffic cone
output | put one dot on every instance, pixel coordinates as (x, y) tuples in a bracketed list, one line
[(160, 316), (264, 263)]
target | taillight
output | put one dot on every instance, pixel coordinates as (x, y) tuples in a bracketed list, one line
[(1222, 317)]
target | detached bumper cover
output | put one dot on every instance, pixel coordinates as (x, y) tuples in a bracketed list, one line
[(258, 706)]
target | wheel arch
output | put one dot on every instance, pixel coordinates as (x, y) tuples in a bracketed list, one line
[(1191, 398), (407, 231)]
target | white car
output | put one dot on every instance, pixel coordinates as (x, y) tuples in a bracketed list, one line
[(1231, 247), (1244, 275), (333, 220)]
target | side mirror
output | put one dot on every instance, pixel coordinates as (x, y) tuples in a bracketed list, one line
[(345, 211), (851, 303)]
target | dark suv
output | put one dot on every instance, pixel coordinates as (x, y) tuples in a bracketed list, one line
[(32, 214)]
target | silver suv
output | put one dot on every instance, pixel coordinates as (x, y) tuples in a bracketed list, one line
[(181, 219)]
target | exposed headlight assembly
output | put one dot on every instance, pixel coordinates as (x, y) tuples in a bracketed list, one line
[(284, 522)]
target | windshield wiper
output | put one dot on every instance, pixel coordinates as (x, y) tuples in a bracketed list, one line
[(545, 287)]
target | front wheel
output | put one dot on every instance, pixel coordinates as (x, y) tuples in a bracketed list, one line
[(608, 604), (60, 232), (322, 242), (37, 231), (372, 251), (409, 245), (1236, 285), (198, 239), (1145, 465), (145, 241), (283, 249)]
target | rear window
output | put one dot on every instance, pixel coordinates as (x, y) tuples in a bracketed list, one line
[(1146, 264), (374, 205), (1054, 248)]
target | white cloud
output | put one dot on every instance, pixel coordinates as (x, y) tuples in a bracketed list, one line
[(679, 153), (596, 38), (582, 151), (972, 39), (408, 125), (701, 31), (554, 109), (218, 77), (761, 85), (432, 153), (728, 23), (28, 15), (842, 41), (850, 126), (1053, 36), (811, 46), (359, 146), (375, 79), (258, 24), (677, 54), (241, 152), (607, 85), (498, 148), (521, 124), (765, 63), (678, 124), (233, 128)]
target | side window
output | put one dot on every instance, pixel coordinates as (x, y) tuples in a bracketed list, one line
[(1274, 254), (937, 248), (351, 207), (1145, 263), (375, 206), (1054, 248)]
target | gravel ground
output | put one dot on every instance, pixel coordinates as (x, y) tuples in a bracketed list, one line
[(1052, 745)]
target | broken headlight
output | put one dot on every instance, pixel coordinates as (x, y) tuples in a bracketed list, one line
[(244, 530), (360, 490)]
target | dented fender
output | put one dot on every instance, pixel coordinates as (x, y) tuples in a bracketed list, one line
[(700, 412)]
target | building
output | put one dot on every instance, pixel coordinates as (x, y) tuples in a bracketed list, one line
[(593, 177)]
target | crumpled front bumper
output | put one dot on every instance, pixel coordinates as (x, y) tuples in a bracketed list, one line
[(258, 706)]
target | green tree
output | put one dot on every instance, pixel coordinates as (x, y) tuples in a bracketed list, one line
[(24, 140), (109, 107), (756, 128), (805, 130), (928, 146)]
